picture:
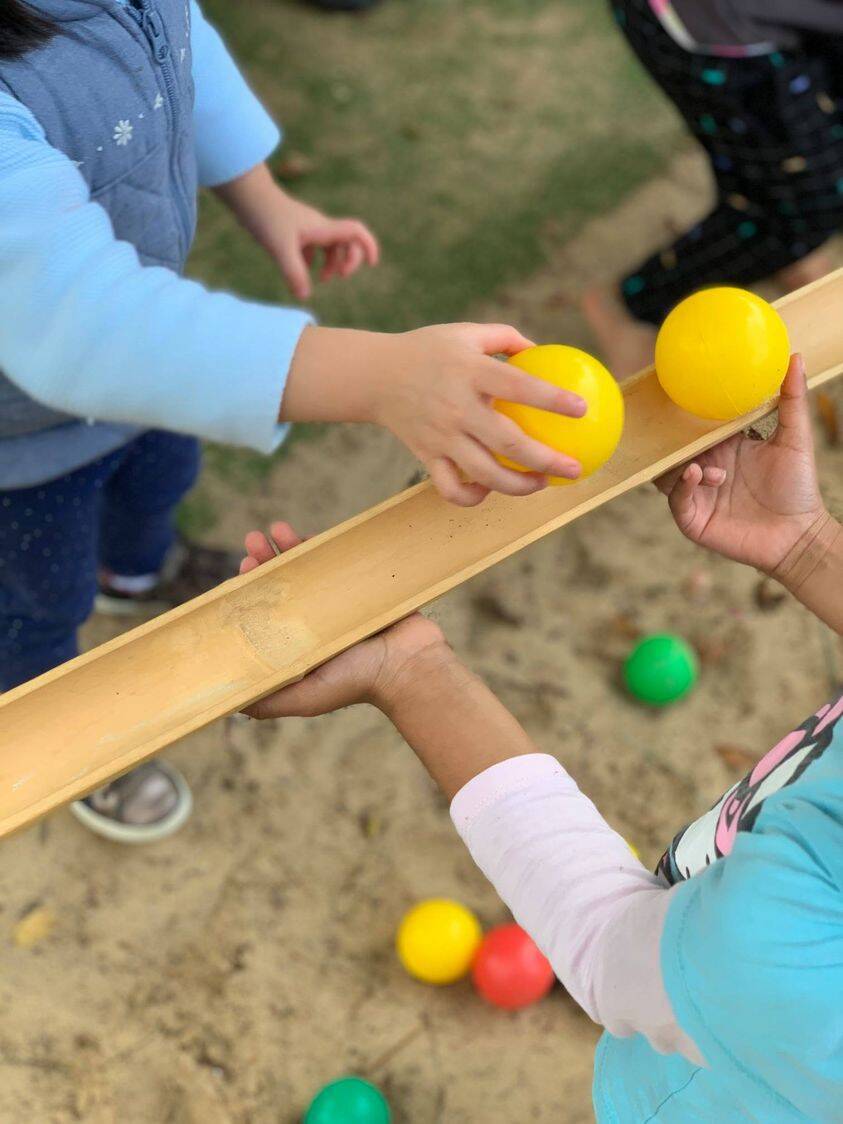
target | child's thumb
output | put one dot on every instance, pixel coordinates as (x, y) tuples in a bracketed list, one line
[(794, 426)]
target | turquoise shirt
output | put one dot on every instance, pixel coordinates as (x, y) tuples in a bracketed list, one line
[(752, 954)]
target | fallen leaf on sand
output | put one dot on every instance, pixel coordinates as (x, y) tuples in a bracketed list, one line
[(769, 595), (736, 757), (34, 927), (295, 166)]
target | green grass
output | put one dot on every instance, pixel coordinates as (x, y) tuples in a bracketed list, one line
[(473, 135)]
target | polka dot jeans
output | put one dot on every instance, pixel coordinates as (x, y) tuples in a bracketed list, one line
[(116, 512), (772, 128)]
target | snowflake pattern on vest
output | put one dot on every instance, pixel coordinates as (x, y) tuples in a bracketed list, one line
[(123, 133)]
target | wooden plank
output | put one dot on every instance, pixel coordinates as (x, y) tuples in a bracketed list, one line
[(84, 723)]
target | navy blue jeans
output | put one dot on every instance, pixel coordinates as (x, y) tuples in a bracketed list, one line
[(116, 513)]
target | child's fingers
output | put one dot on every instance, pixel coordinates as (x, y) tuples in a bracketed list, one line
[(248, 564), (353, 259), (296, 271), (480, 467), (500, 339), (370, 245), (334, 258), (259, 547), (500, 380), (445, 477), (284, 535), (504, 436), (794, 428), (713, 477), (682, 498)]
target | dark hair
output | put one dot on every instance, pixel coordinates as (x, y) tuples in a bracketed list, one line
[(21, 28)]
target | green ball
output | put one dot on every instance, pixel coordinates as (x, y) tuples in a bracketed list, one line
[(350, 1100), (660, 669)]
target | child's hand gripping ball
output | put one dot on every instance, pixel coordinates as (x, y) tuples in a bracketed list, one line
[(437, 941), (721, 353), (591, 439)]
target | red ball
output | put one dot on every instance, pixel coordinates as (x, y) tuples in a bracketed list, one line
[(509, 971)]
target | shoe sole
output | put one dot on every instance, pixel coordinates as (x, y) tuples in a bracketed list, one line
[(138, 834), (128, 607)]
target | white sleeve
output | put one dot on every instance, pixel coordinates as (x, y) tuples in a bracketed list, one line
[(574, 885)]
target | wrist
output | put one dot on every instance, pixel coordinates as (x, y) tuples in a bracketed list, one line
[(818, 543), (337, 375), (424, 676)]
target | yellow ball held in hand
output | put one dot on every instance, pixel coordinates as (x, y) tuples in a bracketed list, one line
[(721, 353), (437, 941), (591, 439)]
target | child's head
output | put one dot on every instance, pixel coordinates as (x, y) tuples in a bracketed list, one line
[(21, 29)]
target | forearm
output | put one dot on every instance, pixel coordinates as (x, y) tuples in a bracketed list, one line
[(568, 878), (336, 375), (813, 571), (457, 727), (248, 197)]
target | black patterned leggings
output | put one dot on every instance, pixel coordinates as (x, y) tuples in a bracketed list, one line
[(772, 128)]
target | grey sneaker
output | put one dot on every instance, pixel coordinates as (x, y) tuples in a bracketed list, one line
[(148, 804)]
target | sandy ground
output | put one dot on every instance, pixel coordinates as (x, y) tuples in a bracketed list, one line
[(222, 976)]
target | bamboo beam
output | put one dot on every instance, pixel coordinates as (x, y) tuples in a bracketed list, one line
[(99, 715)]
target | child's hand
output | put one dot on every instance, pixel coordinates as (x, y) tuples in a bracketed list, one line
[(439, 401), (753, 500), (435, 389), (362, 674), (294, 233)]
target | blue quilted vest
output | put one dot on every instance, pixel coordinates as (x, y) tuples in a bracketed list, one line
[(113, 90)]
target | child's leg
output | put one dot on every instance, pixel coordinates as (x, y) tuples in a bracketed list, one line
[(140, 501), (48, 566), (774, 136)]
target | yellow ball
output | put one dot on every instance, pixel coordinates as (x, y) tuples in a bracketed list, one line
[(437, 941), (591, 439), (721, 353)]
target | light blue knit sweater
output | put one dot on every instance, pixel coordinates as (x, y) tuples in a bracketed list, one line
[(88, 330)]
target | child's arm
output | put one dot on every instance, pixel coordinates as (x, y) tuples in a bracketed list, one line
[(568, 878), (234, 136), (85, 328), (759, 502)]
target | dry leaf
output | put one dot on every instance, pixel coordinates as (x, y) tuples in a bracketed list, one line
[(829, 417), (294, 166), (34, 927), (712, 650), (769, 595), (736, 757)]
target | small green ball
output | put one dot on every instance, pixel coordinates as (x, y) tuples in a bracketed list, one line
[(661, 669), (350, 1100)]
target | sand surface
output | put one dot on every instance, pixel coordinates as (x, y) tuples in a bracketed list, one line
[(221, 977)]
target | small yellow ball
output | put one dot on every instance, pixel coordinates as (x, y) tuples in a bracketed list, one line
[(437, 940), (591, 439), (721, 353)]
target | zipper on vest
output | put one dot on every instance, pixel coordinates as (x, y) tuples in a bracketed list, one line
[(153, 29), (147, 15)]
